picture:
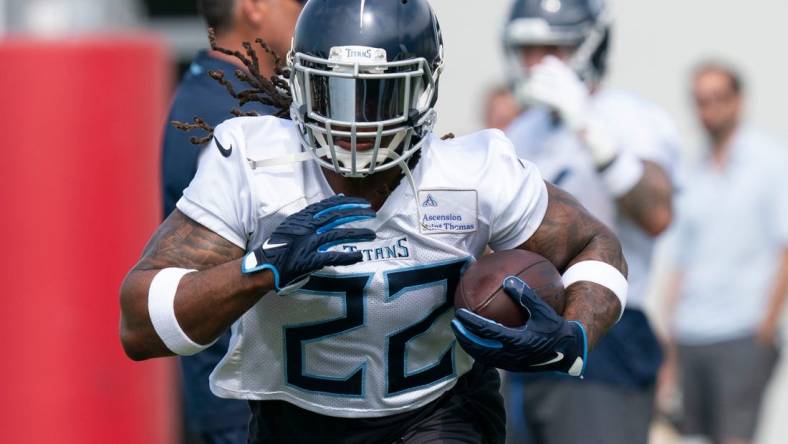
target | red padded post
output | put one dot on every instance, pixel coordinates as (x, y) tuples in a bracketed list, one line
[(81, 122)]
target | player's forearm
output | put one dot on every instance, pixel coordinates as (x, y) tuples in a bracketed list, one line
[(649, 203), (594, 305), (206, 304), (569, 235), (642, 188)]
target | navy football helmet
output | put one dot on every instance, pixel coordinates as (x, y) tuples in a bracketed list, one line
[(583, 25), (364, 80)]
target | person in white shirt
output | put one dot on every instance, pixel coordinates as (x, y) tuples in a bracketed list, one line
[(731, 279), (617, 154)]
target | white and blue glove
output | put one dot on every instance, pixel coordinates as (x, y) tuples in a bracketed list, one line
[(554, 84), (547, 342), (300, 244)]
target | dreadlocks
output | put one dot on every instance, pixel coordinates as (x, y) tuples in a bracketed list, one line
[(273, 91)]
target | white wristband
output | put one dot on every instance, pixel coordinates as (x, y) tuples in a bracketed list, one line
[(623, 174), (161, 308), (599, 273)]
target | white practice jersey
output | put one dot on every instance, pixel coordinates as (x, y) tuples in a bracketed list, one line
[(639, 127), (374, 338)]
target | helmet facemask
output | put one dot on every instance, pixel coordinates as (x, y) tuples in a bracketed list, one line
[(359, 114)]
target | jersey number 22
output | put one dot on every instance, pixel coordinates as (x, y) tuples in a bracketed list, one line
[(353, 289)]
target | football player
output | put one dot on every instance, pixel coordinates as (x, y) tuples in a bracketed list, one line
[(332, 244), (616, 153)]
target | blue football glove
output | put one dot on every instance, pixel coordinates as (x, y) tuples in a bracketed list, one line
[(299, 245), (546, 342)]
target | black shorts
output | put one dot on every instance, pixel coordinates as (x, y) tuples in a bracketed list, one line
[(472, 412)]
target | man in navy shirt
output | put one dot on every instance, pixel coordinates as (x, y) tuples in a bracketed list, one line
[(234, 22)]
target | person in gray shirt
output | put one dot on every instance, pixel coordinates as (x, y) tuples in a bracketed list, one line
[(731, 274)]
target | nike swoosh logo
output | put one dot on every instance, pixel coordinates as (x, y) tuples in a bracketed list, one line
[(558, 356), (225, 152), (268, 246)]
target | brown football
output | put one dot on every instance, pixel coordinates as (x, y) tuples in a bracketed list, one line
[(480, 289)]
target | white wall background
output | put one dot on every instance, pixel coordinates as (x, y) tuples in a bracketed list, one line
[(656, 44)]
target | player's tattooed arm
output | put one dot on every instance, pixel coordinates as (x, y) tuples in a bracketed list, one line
[(569, 234), (207, 302), (650, 203)]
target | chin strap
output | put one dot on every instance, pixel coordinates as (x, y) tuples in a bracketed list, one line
[(412, 182), (303, 156)]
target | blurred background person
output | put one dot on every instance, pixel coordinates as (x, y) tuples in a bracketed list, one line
[(617, 154), (500, 107), (731, 266), (213, 419)]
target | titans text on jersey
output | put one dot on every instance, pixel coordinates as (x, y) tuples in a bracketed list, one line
[(390, 250)]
